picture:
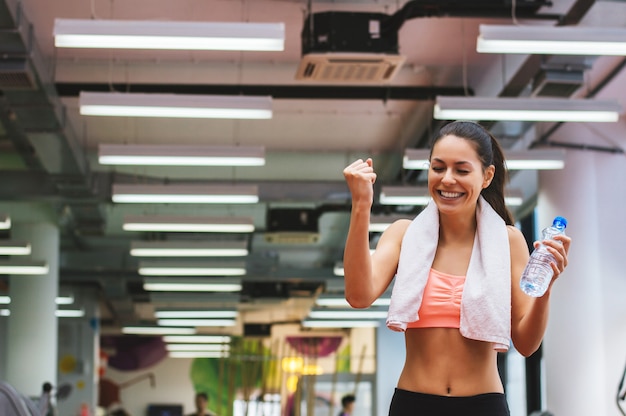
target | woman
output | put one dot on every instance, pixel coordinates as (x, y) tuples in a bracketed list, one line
[(447, 370)]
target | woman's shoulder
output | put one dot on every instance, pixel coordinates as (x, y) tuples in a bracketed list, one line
[(517, 241)]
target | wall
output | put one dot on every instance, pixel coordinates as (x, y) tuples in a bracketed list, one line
[(585, 343)]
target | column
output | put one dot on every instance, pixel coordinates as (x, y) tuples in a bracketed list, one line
[(584, 343), (31, 355), (390, 355)]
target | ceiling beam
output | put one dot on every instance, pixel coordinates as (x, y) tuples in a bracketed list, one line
[(338, 92)]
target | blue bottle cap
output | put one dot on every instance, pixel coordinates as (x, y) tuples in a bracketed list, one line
[(559, 222)]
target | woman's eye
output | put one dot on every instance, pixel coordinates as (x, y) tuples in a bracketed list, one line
[(438, 169), (463, 172)]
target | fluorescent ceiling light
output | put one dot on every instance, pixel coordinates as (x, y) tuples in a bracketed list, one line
[(69, 313), (163, 268), (196, 322), (526, 109), (197, 354), (64, 299), (189, 248), (379, 223), (23, 267), (348, 314), (118, 104), (60, 300), (207, 299), (189, 224), (140, 34), (417, 159), (404, 195), (217, 313), (5, 222), (185, 194), (338, 269), (336, 323), (14, 248), (197, 347), (190, 285), (340, 301), (413, 195), (552, 40), (5, 312), (217, 339), (157, 330), (170, 155)]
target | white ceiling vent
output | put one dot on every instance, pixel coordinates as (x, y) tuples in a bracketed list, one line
[(349, 67)]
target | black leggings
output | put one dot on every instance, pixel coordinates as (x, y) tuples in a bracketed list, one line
[(408, 403)]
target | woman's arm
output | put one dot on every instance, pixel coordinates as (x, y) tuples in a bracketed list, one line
[(529, 315), (367, 276)]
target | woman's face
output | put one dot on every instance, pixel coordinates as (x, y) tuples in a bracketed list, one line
[(456, 176)]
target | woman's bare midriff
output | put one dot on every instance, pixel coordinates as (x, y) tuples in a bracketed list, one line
[(441, 361)]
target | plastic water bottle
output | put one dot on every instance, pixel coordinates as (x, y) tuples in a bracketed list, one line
[(538, 273)]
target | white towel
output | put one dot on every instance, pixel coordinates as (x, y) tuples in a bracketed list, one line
[(486, 299)]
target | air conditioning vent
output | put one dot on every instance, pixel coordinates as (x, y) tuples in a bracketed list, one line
[(556, 83), (349, 67), (16, 74)]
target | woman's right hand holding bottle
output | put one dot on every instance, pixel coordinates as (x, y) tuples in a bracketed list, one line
[(360, 177)]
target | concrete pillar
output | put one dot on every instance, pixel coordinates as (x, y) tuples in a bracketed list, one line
[(584, 343), (31, 344), (390, 355)]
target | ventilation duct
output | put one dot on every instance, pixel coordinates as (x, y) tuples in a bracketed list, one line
[(348, 47), (16, 75), (555, 83)]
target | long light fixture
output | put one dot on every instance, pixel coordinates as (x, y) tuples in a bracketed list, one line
[(552, 40), (197, 347), (188, 248), (215, 299), (69, 313), (60, 300), (158, 330), (187, 268), (403, 195), (196, 314), (417, 159), (23, 267), (339, 323), (197, 354), (185, 194), (337, 301), (59, 313), (347, 314), (170, 155), (195, 339), (196, 322), (14, 248), (194, 285), (414, 195), (525, 109), (117, 104), (5, 222), (189, 224), (379, 223), (139, 34)]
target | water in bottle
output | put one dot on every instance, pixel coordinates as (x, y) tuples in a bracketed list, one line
[(538, 272)]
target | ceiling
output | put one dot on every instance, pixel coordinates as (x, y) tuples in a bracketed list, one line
[(49, 151)]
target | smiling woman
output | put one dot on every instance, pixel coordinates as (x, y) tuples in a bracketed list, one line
[(457, 267)]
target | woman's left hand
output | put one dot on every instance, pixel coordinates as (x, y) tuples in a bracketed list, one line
[(559, 248)]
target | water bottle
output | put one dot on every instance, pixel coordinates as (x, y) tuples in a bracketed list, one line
[(538, 273)]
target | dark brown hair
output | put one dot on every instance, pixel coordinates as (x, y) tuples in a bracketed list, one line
[(490, 153)]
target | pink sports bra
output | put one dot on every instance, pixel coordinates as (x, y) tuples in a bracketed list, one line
[(441, 302)]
